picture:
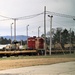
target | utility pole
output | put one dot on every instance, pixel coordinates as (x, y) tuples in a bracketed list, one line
[(11, 33), (60, 37), (27, 36), (74, 20), (50, 33), (38, 31), (70, 40), (45, 29), (14, 29)]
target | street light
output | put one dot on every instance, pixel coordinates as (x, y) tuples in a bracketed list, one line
[(11, 33), (27, 36), (50, 32), (38, 31)]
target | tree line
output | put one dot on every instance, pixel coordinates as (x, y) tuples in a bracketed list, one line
[(5, 40), (61, 36), (64, 37), (8, 41)]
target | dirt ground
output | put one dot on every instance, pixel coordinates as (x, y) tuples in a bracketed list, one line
[(16, 63)]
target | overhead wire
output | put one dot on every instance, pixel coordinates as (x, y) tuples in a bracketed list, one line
[(29, 17), (5, 17), (35, 15), (21, 18), (61, 15)]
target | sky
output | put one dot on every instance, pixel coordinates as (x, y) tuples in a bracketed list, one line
[(20, 8)]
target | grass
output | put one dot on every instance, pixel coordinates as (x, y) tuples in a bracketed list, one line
[(35, 57), (24, 61)]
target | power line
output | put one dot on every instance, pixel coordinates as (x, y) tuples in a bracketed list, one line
[(21, 18), (61, 15), (29, 17), (5, 17), (35, 15)]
